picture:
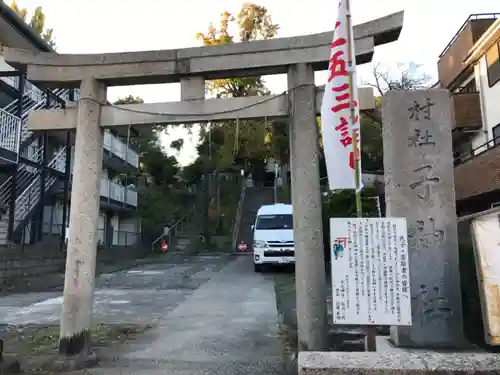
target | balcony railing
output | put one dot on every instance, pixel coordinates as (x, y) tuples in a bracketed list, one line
[(463, 156), (120, 149), (10, 128), (111, 143), (467, 109), (30, 89), (12, 80), (117, 192), (477, 170)]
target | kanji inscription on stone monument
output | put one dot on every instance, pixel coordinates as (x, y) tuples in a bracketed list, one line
[(422, 191)]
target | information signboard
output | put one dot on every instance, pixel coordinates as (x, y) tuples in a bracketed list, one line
[(370, 271)]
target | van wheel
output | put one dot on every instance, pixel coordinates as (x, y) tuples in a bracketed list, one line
[(257, 268)]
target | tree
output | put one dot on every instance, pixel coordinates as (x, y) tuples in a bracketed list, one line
[(244, 141), (177, 144), (130, 99), (160, 201), (408, 78), (231, 143), (37, 22), (253, 22)]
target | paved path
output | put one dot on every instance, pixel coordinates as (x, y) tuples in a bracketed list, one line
[(214, 316)]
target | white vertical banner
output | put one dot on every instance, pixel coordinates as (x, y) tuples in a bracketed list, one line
[(336, 122)]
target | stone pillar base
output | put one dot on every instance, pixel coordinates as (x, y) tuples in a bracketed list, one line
[(9, 366), (422, 363), (64, 364)]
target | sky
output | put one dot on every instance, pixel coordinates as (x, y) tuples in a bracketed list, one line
[(99, 26)]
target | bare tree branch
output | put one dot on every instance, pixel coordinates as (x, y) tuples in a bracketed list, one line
[(409, 78)]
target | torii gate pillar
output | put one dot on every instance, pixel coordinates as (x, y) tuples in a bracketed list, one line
[(82, 242), (307, 220)]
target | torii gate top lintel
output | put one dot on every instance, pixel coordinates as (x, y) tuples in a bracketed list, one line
[(262, 57)]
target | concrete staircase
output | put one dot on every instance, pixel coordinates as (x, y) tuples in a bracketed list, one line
[(255, 198)]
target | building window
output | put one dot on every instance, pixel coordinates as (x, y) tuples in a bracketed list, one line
[(469, 87), (496, 135), (493, 63)]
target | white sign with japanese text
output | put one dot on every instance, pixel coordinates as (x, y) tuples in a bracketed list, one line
[(370, 271)]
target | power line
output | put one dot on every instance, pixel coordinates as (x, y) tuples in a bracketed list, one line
[(274, 97)]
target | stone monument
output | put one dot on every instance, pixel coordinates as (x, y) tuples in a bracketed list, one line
[(418, 165)]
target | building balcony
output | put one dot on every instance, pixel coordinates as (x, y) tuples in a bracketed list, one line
[(114, 195), (30, 89), (450, 64), (467, 111), (117, 154), (478, 171)]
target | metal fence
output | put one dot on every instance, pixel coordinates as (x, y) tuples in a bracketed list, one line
[(52, 233)]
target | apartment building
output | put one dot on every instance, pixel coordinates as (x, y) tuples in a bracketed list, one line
[(36, 168), (470, 68)]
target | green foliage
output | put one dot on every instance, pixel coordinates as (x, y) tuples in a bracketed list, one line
[(342, 203), (161, 200), (372, 146), (253, 22), (177, 144), (239, 143), (234, 144), (192, 173), (37, 22), (130, 99)]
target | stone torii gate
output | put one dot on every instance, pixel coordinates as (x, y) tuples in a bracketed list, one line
[(298, 56)]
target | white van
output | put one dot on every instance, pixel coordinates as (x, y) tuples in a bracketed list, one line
[(273, 236)]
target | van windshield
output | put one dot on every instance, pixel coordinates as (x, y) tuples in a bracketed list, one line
[(267, 222)]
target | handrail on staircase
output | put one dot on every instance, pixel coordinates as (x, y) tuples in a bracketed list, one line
[(172, 231), (10, 131), (236, 225), (22, 133), (5, 188), (31, 194)]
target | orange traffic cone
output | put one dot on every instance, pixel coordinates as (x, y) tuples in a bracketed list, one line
[(242, 246)]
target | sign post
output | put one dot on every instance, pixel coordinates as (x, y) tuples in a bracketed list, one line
[(371, 331), (341, 125), (370, 271)]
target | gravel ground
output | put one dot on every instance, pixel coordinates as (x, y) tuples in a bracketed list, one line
[(190, 315)]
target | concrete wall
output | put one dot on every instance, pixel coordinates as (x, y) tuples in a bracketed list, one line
[(45, 258), (490, 109), (491, 97), (33, 260)]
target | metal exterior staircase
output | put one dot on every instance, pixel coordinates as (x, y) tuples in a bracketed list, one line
[(19, 135), (10, 126), (15, 137), (27, 192)]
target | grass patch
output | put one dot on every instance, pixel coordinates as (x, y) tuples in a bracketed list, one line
[(34, 344), (284, 291)]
